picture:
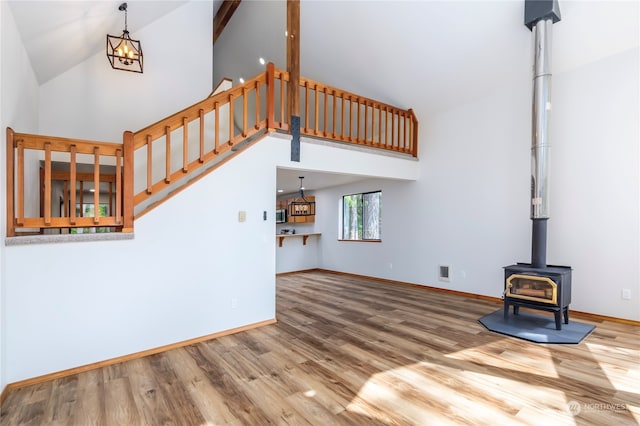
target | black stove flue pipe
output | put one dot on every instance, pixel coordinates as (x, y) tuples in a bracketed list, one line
[(539, 16)]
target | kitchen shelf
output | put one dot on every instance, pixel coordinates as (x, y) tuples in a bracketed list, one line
[(281, 237)]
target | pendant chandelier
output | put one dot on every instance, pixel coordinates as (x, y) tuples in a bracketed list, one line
[(123, 52), (300, 206)]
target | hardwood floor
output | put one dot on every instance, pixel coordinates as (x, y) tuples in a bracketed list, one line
[(349, 350)]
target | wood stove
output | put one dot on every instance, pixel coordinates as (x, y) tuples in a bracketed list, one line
[(547, 288), (538, 285)]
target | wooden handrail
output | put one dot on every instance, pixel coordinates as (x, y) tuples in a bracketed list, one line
[(249, 95), (233, 115)]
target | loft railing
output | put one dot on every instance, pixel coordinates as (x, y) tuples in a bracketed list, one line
[(35, 153), (159, 156)]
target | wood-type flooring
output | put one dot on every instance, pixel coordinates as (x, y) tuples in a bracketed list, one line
[(352, 351)]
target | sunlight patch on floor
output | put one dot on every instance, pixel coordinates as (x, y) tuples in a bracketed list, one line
[(623, 377), (504, 356), (425, 393)]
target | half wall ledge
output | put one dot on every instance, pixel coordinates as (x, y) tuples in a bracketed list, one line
[(67, 238)]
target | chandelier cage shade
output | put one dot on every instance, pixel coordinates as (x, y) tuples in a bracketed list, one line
[(300, 206), (123, 52)]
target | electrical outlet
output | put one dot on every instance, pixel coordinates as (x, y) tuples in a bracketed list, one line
[(626, 293), (242, 216), (234, 303), (390, 265)]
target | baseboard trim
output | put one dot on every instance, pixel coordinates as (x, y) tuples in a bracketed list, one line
[(300, 271), (580, 314), (129, 357)]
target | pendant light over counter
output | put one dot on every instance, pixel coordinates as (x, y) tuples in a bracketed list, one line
[(300, 206), (124, 53)]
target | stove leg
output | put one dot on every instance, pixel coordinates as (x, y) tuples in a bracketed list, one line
[(516, 309), (506, 310), (558, 317), (566, 315)]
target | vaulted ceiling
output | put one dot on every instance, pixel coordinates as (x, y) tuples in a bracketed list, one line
[(425, 55)]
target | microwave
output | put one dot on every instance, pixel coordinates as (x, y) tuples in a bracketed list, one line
[(281, 215)]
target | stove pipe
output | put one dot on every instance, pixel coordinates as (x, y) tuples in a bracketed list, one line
[(540, 15)]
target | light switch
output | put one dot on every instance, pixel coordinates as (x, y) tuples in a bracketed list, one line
[(242, 216)]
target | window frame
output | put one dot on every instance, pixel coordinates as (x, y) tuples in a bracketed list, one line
[(343, 215)]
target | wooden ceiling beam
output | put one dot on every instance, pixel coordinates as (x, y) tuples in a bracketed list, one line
[(224, 14)]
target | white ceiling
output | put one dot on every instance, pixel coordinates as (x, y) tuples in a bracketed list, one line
[(288, 180), (59, 35), (425, 55)]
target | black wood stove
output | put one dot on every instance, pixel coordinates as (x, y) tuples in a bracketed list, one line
[(537, 285), (547, 289)]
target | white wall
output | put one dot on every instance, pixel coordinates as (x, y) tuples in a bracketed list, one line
[(175, 281), (94, 101), (86, 302), (18, 109), (255, 28), (470, 210)]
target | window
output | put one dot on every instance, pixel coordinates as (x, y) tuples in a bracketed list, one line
[(87, 211), (361, 215)]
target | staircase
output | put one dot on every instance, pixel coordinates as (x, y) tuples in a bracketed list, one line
[(130, 178)]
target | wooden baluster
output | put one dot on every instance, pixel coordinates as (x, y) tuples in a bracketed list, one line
[(245, 112), (257, 125), (11, 230), (41, 199), (65, 199), (20, 179), (271, 121), (217, 129), (96, 185), (315, 89), (335, 113), (283, 117), (185, 145), (231, 129), (350, 118), (366, 122), (404, 138), (81, 198), (149, 165), (380, 124), (393, 128), (398, 137), (47, 183), (358, 140), (111, 199), (326, 111), (167, 137), (342, 119), (127, 182), (306, 106), (72, 185), (201, 115), (368, 136), (118, 196), (386, 128)]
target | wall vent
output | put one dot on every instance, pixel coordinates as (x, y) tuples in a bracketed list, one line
[(443, 273)]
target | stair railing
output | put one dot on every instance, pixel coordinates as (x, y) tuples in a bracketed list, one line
[(156, 157), (42, 149)]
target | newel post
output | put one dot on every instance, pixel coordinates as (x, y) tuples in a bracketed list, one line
[(271, 97), (127, 184), (11, 230), (414, 148)]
